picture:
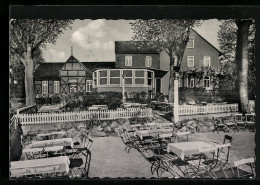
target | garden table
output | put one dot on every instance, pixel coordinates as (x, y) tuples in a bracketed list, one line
[(40, 166), (32, 151), (153, 132), (185, 149), (51, 135), (54, 142)]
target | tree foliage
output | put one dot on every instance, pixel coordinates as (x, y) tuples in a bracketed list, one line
[(220, 79), (169, 35), (227, 38), (26, 37)]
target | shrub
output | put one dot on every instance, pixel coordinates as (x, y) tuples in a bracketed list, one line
[(55, 99)]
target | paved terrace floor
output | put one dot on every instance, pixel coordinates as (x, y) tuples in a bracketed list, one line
[(109, 158)]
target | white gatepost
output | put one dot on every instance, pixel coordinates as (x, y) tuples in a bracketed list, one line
[(176, 97)]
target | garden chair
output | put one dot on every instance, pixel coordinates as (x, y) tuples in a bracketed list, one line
[(201, 166), (178, 135), (230, 123), (250, 122), (219, 126), (240, 121), (244, 168), (165, 138), (129, 142), (76, 168), (222, 159), (149, 156), (164, 159)]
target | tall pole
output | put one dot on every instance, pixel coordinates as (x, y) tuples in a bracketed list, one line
[(123, 88), (176, 97)]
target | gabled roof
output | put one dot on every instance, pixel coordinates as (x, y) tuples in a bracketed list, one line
[(129, 47), (207, 42), (73, 59), (48, 70)]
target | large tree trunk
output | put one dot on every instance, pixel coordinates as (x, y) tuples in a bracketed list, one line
[(29, 85), (242, 62), (171, 81)]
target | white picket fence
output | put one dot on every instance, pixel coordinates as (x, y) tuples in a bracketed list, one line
[(63, 117), (207, 109)]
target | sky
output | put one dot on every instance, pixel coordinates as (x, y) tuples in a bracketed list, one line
[(93, 40)]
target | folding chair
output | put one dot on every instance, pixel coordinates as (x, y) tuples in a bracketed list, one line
[(222, 160), (201, 166), (243, 168), (149, 156), (181, 134), (240, 121), (219, 126), (164, 160), (76, 168), (129, 142), (230, 123), (250, 122), (245, 162)]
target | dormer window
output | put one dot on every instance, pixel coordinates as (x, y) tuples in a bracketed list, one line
[(128, 60), (148, 61), (190, 43)]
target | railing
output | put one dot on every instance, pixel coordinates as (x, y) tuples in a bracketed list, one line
[(63, 117), (207, 109)]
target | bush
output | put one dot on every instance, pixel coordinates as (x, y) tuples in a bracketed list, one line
[(55, 99), (139, 97)]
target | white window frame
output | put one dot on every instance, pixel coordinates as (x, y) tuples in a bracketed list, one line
[(148, 61), (128, 77), (151, 78), (208, 79), (89, 85), (110, 77), (95, 78), (205, 59), (45, 88), (56, 86), (128, 60), (143, 77), (190, 82), (190, 58), (191, 41), (99, 78)]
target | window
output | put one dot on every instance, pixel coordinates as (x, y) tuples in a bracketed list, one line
[(128, 75), (103, 77), (44, 87), (148, 61), (206, 81), (88, 85), (149, 78), (115, 77), (128, 60), (190, 43), (206, 61), (95, 79), (56, 86), (139, 77), (190, 82), (190, 61)]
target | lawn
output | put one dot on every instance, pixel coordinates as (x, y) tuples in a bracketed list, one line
[(109, 158)]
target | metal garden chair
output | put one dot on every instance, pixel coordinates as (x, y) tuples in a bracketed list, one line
[(250, 122), (230, 123), (240, 121), (164, 160), (201, 166)]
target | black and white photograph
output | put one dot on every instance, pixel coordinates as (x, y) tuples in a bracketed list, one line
[(132, 98)]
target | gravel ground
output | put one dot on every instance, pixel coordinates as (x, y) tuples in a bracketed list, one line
[(109, 158)]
